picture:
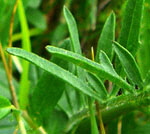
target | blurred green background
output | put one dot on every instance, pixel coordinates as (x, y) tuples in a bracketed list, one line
[(47, 24)]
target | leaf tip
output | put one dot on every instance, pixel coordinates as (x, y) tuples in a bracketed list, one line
[(113, 13), (65, 9), (8, 50)]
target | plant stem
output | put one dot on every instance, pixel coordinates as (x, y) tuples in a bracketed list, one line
[(12, 91), (8, 69), (32, 124), (101, 125), (94, 128), (10, 37), (119, 125), (11, 87), (21, 125)]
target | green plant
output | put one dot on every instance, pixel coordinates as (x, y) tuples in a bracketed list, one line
[(74, 91)]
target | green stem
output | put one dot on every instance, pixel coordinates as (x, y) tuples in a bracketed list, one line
[(12, 91), (26, 45), (10, 36), (94, 128), (115, 107), (21, 125), (99, 115), (119, 125)]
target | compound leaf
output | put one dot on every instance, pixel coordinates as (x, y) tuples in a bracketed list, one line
[(89, 65)]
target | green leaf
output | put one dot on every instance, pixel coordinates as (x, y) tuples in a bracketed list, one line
[(70, 96), (106, 37), (106, 63), (144, 63), (129, 36), (89, 65), (52, 123), (46, 87), (5, 107), (72, 26), (4, 86), (129, 64), (45, 96), (66, 102), (132, 125), (147, 79), (54, 70), (8, 124), (97, 85), (55, 36), (34, 3), (75, 43), (36, 18), (92, 14), (5, 15)]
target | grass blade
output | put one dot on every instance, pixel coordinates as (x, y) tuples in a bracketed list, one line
[(89, 65), (54, 70), (129, 64), (106, 37), (26, 45)]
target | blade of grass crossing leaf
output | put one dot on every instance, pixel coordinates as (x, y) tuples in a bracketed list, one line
[(54, 70), (26, 45), (129, 64), (89, 65), (106, 37)]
